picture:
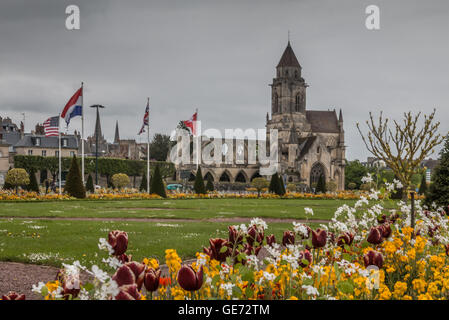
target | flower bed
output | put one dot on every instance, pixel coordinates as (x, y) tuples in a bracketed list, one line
[(365, 252)]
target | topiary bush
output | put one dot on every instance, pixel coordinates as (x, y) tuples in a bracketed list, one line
[(321, 185), (157, 185), (143, 183), (74, 183), (33, 186), (199, 183), (209, 185), (90, 184), (120, 180), (439, 188), (17, 177)]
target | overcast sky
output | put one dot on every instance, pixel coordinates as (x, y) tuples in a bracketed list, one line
[(219, 57)]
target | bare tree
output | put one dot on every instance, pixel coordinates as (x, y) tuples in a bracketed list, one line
[(404, 146)]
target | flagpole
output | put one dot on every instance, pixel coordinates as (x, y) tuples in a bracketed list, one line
[(82, 132), (59, 153), (148, 149)]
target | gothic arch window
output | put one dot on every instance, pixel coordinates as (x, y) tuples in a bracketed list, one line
[(298, 102), (296, 74), (286, 73), (225, 177), (316, 172), (240, 177), (256, 175), (276, 103), (208, 177)]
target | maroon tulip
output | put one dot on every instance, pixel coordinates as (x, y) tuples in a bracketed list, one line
[(70, 284), (190, 280), (130, 273), (382, 219), (215, 250), (13, 296), (345, 238), (234, 238), (118, 241), (331, 237), (128, 292), (124, 258), (386, 230), (393, 217), (305, 255), (373, 258), (288, 238), (151, 279), (271, 240), (375, 236), (319, 238), (254, 235)]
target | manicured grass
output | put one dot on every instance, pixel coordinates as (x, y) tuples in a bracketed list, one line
[(53, 242), (175, 209)]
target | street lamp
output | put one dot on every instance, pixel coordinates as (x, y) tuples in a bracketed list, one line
[(97, 123)]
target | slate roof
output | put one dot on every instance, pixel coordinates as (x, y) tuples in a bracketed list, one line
[(288, 58), (10, 138), (47, 142), (323, 121)]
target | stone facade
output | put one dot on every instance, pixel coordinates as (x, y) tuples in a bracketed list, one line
[(311, 143)]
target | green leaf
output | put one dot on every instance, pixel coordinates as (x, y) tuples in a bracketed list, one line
[(223, 249), (236, 292), (346, 287)]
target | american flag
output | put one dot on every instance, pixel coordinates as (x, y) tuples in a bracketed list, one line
[(146, 118), (51, 127)]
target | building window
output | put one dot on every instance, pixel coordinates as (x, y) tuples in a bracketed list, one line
[(30, 152), (38, 142), (318, 150), (44, 153), (64, 142), (298, 102), (276, 103)]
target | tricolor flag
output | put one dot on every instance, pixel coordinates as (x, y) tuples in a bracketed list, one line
[(51, 127), (146, 118), (74, 107), (191, 123)]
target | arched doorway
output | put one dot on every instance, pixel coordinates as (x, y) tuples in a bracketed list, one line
[(240, 177), (225, 177), (208, 177), (256, 175), (316, 172)]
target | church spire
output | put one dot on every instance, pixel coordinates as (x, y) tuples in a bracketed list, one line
[(98, 127), (288, 58), (117, 135)]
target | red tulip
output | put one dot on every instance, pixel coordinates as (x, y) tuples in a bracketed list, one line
[(13, 296), (373, 258), (375, 236), (288, 238), (382, 219), (345, 238), (386, 230), (128, 292), (190, 280), (234, 236), (124, 258), (271, 240), (254, 235), (319, 238), (130, 273), (305, 255), (215, 250), (151, 279), (118, 241)]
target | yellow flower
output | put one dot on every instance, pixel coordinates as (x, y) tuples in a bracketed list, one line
[(385, 293), (292, 298), (425, 297), (419, 285), (399, 289)]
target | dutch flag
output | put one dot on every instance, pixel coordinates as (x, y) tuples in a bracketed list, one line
[(74, 107)]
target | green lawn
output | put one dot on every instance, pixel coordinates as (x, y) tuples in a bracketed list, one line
[(55, 241)]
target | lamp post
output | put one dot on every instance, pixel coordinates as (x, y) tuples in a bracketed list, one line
[(97, 123)]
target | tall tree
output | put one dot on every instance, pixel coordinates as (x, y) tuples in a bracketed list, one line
[(439, 187), (74, 184), (143, 183), (402, 147), (274, 183), (209, 184), (423, 185), (160, 146), (281, 186), (33, 186), (157, 185), (354, 172), (199, 182), (90, 184)]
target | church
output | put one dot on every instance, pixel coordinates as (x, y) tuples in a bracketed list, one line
[(311, 142)]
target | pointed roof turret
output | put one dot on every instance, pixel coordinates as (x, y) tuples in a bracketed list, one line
[(340, 117), (98, 126), (288, 58), (117, 135)]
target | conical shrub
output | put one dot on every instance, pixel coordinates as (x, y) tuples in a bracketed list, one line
[(90, 184), (274, 184), (281, 186), (33, 186), (199, 183), (321, 185), (143, 183), (74, 184), (209, 185), (157, 185), (423, 185)]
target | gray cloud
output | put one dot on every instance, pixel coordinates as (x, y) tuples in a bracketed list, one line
[(220, 56)]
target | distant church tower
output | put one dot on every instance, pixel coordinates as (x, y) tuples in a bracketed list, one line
[(117, 135)]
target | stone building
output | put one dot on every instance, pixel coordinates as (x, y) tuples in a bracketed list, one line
[(311, 142)]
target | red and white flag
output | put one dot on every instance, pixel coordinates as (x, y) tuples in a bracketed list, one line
[(51, 127), (191, 123)]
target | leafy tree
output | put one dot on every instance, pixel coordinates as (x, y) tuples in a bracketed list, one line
[(439, 188), (74, 184), (199, 183), (120, 180), (402, 147), (33, 186), (143, 183), (291, 187), (160, 146), (354, 172), (259, 183), (321, 185), (157, 185), (209, 185), (352, 186), (423, 185), (17, 177), (90, 184)]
